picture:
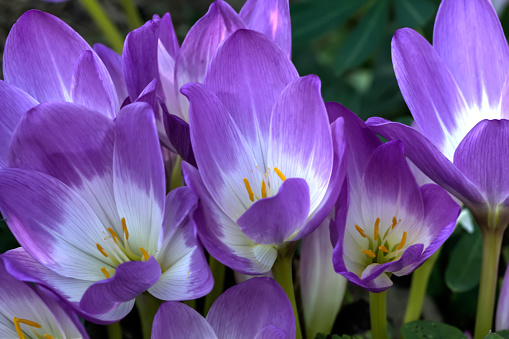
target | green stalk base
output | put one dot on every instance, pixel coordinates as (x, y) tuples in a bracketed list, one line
[(147, 308), (378, 314), (218, 271)]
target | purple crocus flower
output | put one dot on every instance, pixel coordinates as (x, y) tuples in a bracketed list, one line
[(452, 89), (257, 308), (29, 313), (269, 173), (392, 224), (87, 203)]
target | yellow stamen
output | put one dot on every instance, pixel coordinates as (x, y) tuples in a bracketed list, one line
[(26, 322), (361, 231), (394, 222), (124, 229), (103, 252), (47, 336), (264, 189), (377, 223), (369, 253), (145, 254), (249, 190), (279, 174), (106, 273), (402, 243), (383, 249), (114, 235)]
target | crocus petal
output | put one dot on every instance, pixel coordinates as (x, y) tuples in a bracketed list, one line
[(131, 278), (273, 220), (221, 236), (74, 145), (113, 62), (247, 308), (502, 315), (92, 86), (226, 155), (322, 289), (179, 135), (247, 74), (177, 320), (40, 54), (185, 271), (271, 18), (429, 160), (138, 175), (52, 223), (201, 43), (469, 38), (300, 143), (483, 156), (13, 104), (167, 36), (139, 57), (435, 101)]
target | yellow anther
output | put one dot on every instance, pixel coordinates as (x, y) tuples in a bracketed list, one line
[(264, 189), (47, 336), (361, 231), (383, 249), (105, 272), (103, 252), (279, 174), (394, 222), (369, 253), (26, 322), (114, 235), (124, 229), (249, 190), (402, 243), (377, 223), (145, 254)]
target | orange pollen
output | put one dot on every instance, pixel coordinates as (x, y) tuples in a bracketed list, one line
[(361, 231), (103, 252), (279, 174), (145, 254), (47, 336), (383, 249), (18, 321), (264, 189), (394, 222), (124, 229), (105, 272), (114, 235), (369, 253), (249, 190), (402, 243), (377, 223)]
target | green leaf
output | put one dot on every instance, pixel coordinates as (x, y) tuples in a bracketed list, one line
[(493, 336), (463, 271), (431, 330), (312, 19), (364, 39), (411, 13), (504, 334)]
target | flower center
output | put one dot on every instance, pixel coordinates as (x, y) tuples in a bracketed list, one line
[(17, 325), (380, 249), (119, 251), (267, 189)]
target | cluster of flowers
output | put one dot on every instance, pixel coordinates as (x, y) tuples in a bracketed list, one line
[(88, 138)]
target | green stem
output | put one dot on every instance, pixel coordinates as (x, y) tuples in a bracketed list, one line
[(190, 303), (109, 30), (420, 279), (147, 308), (378, 313), (491, 245), (218, 271), (176, 174), (282, 272), (114, 331), (133, 16)]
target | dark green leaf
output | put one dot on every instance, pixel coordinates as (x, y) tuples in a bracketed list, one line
[(364, 39), (493, 336), (464, 268), (431, 330), (411, 13), (504, 334)]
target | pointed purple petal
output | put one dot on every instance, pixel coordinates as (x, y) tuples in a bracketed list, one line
[(168, 37), (180, 137), (272, 18), (271, 332), (469, 38), (247, 308), (40, 54), (177, 320), (113, 62)]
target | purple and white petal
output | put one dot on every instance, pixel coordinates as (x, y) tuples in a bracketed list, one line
[(502, 315), (113, 62)]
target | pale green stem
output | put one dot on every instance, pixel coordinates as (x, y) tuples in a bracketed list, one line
[(218, 271), (109, 30), (420, 279), (491, 244), (282, 272), (133, 16), (176, 174), (190, 303), (378, 314), (114, 331), (147, 308)]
